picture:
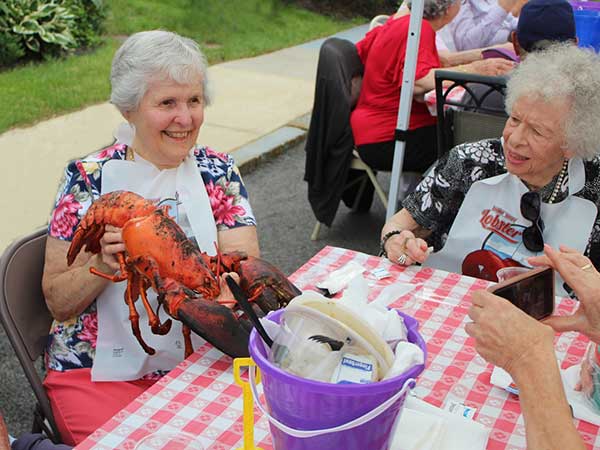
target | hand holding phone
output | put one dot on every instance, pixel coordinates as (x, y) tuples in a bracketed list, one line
[(531, 292)]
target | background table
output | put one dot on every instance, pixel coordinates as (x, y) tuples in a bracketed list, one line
[(200, 397)]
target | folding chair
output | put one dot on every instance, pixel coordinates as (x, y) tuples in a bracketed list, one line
[(358, 164), (479, 114), (345, 81), (26, 318)]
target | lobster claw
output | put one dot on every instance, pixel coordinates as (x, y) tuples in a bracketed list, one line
[(217, 324)]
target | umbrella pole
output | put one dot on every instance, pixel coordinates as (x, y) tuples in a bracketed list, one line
[(406, 96)]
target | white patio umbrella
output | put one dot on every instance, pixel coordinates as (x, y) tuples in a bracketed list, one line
[(406, 95)]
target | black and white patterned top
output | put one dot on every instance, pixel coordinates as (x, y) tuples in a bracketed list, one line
[(435, 203)]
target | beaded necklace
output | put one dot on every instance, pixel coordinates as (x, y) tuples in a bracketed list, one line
[(559, 181)]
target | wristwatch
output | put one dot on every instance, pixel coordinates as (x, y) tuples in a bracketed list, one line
[(384, 239)]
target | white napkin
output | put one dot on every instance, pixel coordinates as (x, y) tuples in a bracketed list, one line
[(407, 355), (424, 427), (582, 410), (503, 380), (385, 321), (339, 279)]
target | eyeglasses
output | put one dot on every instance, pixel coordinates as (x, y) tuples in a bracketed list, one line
[(533, 238)]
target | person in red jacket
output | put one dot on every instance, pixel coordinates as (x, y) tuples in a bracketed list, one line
[(382, 53)]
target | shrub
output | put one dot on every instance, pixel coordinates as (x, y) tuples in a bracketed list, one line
[(348, 8), (10, 49), (89, 21), (39, 29)]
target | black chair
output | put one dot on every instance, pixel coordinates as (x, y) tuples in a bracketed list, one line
[(26, 318), (479, 114)]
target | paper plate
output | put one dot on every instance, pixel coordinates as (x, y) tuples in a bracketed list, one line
[(360, 329)]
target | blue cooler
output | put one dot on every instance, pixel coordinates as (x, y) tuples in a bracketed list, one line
[(587, 23)]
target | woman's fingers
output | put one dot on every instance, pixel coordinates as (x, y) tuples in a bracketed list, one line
[(563, 323), (565, 249), (416, 249)]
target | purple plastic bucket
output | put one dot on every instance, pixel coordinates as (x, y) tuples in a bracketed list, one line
[(311, 405)]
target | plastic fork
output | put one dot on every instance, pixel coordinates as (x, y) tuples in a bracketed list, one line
[(333, 343)]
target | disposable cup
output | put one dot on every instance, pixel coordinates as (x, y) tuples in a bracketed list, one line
[(509, 272), (169, 441)]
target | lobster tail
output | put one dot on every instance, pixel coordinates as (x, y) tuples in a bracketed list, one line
[(82, 237)]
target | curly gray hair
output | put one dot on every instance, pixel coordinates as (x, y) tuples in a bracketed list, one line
[(432, 9), (149, 55), (563, 71)]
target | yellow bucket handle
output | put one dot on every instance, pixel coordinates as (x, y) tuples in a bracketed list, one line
[(248, 417)]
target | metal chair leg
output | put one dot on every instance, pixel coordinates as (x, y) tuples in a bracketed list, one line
[(378, 189), (315, 234)]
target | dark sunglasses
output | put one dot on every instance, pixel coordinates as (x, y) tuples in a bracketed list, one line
[(531, 205)]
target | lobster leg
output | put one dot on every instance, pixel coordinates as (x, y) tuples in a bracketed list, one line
[(149, 268), (134, 317), (187, 338), (116, 277), (153, 319)]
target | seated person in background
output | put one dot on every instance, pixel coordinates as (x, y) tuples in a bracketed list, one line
[(452, 58), (508, 338), (494, 203), (382, 53), (159, 84), (27, 441), (482, 23), (541, 23)]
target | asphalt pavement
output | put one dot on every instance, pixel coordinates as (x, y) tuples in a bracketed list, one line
[(285, 221)]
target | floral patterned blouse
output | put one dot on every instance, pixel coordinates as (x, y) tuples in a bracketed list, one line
[(72, 343), (435, 203)]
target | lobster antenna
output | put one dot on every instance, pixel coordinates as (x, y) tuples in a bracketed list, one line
[(218, 259)]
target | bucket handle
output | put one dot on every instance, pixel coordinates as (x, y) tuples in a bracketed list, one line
[(408, 384)]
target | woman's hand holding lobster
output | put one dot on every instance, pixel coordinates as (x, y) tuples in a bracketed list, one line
[(406, 249), (111, 243)]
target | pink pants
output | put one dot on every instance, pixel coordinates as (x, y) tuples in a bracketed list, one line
[(80, 406)]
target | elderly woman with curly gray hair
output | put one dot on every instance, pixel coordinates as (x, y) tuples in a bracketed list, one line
[(382, 53), (95, 366), (495, 203)]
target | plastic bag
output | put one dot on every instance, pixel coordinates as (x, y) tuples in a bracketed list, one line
[(590, 376)]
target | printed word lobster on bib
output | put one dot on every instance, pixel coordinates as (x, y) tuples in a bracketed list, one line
[(488, 232)]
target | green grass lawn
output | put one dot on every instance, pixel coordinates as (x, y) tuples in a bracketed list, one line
[(225, 29)]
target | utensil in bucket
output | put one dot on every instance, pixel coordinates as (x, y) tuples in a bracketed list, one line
[(306, 414)]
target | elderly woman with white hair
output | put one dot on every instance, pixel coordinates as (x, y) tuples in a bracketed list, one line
[(495, 203), (159, 84), (382, 53)]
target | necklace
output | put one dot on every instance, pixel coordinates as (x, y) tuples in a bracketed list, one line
[(559, 181)]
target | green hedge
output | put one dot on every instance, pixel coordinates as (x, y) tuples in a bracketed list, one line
[(36, 29), (348, 8)]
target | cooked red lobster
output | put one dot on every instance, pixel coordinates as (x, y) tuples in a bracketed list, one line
[(159, 255)]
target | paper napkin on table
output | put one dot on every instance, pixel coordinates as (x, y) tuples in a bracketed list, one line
[(582, 410), (570, 376), (424, 427)]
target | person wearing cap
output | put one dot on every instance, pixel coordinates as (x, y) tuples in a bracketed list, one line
[(541, 23)]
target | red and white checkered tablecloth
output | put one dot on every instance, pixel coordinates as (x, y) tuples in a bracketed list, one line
[(200, 397)]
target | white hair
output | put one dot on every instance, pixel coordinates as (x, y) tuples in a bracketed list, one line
[(563, 71), (151, 55), (432, 9)]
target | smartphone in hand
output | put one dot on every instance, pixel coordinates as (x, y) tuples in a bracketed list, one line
[(532, 292)]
